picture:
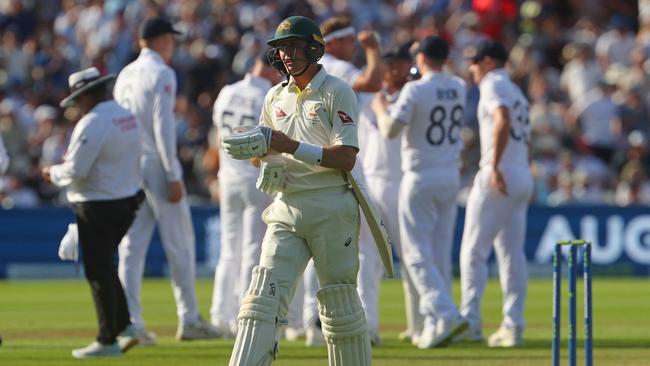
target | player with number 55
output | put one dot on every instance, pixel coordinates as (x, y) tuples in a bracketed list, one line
[(430, 110)]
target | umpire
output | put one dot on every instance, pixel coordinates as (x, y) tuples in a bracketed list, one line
[(101, 171)]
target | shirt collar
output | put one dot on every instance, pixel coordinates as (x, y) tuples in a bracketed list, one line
[(148, 52), (315, 83), (500, 72)]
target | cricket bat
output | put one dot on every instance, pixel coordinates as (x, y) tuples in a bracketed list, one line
[(375, 223)]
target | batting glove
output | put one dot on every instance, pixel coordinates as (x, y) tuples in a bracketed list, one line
[(248, 144), (272, 176)]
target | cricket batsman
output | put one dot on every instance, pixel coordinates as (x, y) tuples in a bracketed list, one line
[(307, 136)]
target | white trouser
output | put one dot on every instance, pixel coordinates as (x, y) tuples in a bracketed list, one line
[(323, 225), (294, 317), (177, 236), (492, 218), (427, 217), (384, 194), (310, 303), (242, 229), (371, 270)]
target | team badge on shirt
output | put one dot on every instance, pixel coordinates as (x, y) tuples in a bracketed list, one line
[(345, 119), (279, 113)]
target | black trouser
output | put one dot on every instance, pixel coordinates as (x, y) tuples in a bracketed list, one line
[(102, 224)]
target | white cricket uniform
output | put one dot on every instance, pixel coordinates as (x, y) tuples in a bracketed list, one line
[(381, 161), (492, 218), (241, 203), (147, 87), (432, 109)]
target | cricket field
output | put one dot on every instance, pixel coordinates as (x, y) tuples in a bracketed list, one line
[(42, 321)]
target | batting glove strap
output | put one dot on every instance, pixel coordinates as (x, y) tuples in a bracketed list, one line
[(248, 144)]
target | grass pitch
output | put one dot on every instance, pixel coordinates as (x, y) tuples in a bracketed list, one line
[(41, 322)]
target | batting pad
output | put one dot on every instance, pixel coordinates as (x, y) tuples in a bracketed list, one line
[(344, 326), (257, 339)]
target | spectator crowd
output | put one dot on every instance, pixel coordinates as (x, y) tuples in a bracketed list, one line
[(583, 64)]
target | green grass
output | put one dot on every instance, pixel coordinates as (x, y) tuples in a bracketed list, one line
[(40, 323)]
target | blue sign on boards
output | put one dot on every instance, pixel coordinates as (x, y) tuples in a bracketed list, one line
[(620, 236)]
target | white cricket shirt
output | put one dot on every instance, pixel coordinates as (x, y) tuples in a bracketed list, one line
[(381, 156), (432, 109), (324, 113), (103, 158), (342, 69), (238, 104), (498, 90), (147, 87)]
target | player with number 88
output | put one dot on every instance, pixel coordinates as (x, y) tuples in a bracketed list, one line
[(430, 110)]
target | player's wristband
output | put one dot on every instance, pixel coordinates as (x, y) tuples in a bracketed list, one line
[(308, 153)]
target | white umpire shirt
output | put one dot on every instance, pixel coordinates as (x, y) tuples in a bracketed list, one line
[(147, 87), (432, 107), (103, 158), (498, 90), (239, 104)]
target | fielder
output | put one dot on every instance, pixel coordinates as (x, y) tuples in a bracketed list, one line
[(381, 166), (240, 202), (309, 135), (147, 87), (430, 110), (498, 200)]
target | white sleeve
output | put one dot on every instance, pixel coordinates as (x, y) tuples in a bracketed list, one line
[(217, 110), (85, 144), (4, 158), (265, 114), (404, 108), (497, 94), (164, 124)]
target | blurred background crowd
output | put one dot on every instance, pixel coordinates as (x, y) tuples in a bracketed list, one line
[(583, 64)]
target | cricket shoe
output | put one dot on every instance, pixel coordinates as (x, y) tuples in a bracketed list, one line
[(97, 349), (470, 334), (405, 336), (507, 337), (408, 336), (442, 332), (145, 337), (314, 336), (200, 329), (127, 339), (375, 340), (226, 331)]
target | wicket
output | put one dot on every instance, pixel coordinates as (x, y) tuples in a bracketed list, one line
[(557, 289)]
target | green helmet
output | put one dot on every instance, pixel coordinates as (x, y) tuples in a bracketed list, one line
[(297, 27)]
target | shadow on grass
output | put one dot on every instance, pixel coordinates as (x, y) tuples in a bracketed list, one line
[(529, 344)]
